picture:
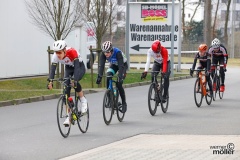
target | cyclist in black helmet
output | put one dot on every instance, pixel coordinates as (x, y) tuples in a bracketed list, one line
[(118, 62)]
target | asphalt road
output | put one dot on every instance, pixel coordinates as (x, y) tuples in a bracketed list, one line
[(29, 131)]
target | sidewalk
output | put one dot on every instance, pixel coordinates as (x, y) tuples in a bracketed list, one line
[(166, 147)]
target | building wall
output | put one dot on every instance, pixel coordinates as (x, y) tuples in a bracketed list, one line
[(23, 48)]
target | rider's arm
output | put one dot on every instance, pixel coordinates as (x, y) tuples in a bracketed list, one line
[(77, 69), (147, 65), (120, 64), (195, 61), (224, 51), (208, 62), (53, 66), (102, 64), (164, 53), (52, 71)]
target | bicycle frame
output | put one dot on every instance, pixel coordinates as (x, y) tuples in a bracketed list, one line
[(202, 80)]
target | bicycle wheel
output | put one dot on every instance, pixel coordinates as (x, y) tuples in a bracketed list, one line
[(62, 114), (82, 118), (208, 96), (164, 104), (198, 93), (108, 106), (219, 84), (152, 99), (118, 104), (214, 87)]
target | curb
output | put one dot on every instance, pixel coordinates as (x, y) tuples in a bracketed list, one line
[(87, 91)]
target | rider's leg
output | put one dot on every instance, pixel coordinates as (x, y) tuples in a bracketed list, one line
[(221, 62), (166, 81)]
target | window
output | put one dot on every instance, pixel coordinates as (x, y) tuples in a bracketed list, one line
[(119, 16), (224, 1)]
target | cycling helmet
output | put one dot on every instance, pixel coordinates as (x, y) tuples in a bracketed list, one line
[(156, 46), (202, 47), (59, 45), (216, 43), (107, 46)]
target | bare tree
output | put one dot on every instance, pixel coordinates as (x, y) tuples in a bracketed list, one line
[(214, 22), (207, 22), (56, 18), (226, 22), (195, 10), (101, 13)]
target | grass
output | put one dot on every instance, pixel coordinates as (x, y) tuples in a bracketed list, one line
[(31, 87)]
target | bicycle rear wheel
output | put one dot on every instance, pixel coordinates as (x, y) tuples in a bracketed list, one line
[(118, 104), (215, 87), (152, 99), (219, 85), (164, 104), (62, 114), (208, 96), (108, 106), (198, 93), (82, 118)]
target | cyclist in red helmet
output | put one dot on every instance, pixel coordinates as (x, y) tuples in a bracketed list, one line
[(161, 62), (204, 62)]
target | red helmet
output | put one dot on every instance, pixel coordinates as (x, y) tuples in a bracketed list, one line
[(156, 46)]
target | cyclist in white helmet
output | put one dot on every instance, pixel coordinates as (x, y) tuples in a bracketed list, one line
[(73, 66), (118, 63), (219, 56)]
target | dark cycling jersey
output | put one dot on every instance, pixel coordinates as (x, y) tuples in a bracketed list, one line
[(203, 60)]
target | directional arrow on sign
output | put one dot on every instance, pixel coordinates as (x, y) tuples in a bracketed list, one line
[(137, 47)]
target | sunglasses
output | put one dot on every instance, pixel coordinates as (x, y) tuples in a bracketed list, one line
[(107, 52), (58, 53)]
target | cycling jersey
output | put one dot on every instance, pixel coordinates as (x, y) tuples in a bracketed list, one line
[(113, 58), (204, 60), (71, 54), (117, 58), (161, 57), (72, 61), (221, 53)]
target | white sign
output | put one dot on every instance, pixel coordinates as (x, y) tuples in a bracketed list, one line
[(152, 21)]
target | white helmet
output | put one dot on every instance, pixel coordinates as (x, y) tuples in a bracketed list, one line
[(107, 46), (59, 45), (216, 43)]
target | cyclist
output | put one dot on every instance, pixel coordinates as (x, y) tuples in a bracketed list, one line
[(219, 55), (204, 62), (161, 61), (73, 66), (118, 62)]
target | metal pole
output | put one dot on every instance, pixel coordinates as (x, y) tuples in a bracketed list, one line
[(172, 39), (127, 35), (233, 28)]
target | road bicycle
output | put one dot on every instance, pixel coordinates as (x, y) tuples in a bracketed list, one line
[(217, 82), (201, 88), (111, 102), (155, 95), (65, 109)]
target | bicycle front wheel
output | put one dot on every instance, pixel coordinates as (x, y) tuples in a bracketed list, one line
[(198, 96), (214, 87), (118, 104), (152, 99), (82, 118), (208, 96), (108, 106), (62, 114), (164, 103), (220, 93)]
